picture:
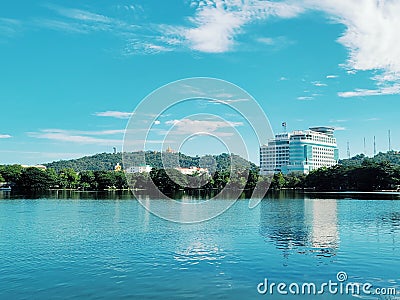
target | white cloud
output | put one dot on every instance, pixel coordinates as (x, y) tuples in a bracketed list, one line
[(318, 83), (188, 126), (228, 101), (86, 132), (114, 114), (9, 27), (214, 29), (5, 136), (340, 128), (217, 23), (73, 138), (81, 15), (131, 7), (136, 45), (304, 98), (276, 43), (63, 26), (80, 137), (81, 21), (389, 90), (373, 119), (266, 40), (157, 122), (371, 36)]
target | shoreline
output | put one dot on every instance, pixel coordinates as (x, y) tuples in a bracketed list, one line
[(297, 191)]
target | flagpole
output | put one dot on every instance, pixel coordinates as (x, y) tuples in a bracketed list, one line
[(284, 126)]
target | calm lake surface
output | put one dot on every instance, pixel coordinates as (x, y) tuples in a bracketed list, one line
[(72, 245)]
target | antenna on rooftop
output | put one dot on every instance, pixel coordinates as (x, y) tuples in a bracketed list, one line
[(374, 146), (348, 149)]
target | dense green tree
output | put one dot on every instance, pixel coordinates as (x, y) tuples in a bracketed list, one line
[(278, 181), (68, 179), (53, 176), (87, 180), (34, 179), (168, 180), (11, 173), (120, 181), (104, 179), (220, 179), (139, 180), (294, 180)]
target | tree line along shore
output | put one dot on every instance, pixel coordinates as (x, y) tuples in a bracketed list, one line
[(359, 173)]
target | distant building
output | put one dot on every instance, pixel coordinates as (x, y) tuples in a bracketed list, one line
[(117, 167), (170, 150), (139, 169), (299, 151), (192, 170), (41, 167)]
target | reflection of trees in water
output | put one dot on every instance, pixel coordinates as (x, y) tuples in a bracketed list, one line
[(393, 220), (289, 224), (283, 222)]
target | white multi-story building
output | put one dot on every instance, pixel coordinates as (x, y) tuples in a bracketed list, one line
[(299, 151), (192, 170), (139, 169)]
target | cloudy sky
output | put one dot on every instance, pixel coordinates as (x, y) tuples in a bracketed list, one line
[(72, 73)]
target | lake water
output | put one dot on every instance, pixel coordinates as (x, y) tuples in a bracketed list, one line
[(106, 246)]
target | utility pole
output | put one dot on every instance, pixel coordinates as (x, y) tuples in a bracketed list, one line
[(348, 149), (374, 146), (365, 151), (390, 146)]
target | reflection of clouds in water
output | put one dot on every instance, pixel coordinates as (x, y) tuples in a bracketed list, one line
[(301, 226), (199, 251), (204, 255)]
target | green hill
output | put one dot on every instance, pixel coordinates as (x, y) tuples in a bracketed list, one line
[(107, 161), (392, 157)]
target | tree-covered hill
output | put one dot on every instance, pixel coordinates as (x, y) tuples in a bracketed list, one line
[(107, 161), (392, 157)]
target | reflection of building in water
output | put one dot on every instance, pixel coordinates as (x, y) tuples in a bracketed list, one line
[(322, 219), (302, 226)]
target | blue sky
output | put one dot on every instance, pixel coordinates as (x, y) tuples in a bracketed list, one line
[(72, 73)]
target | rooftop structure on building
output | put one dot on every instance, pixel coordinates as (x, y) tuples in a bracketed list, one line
[(299, 151)]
